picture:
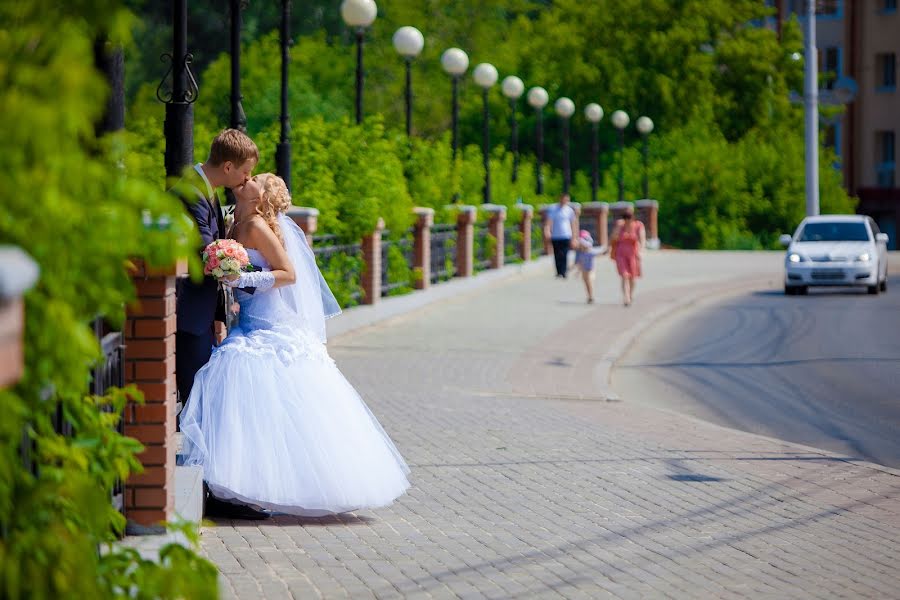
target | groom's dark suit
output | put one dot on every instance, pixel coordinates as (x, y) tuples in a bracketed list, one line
[(198, 304)]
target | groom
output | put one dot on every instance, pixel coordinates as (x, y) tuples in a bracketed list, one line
[(201, 316), (200, 307)]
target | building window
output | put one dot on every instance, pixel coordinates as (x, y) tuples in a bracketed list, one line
[(831, 66), (888, 6), (886, 65), (887, 167), (832, 137), (824, 8)]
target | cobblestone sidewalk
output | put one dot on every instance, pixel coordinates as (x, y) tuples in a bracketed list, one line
[(529, 482)]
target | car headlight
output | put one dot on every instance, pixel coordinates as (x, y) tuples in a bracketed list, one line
[(864, 257), (794, 257)]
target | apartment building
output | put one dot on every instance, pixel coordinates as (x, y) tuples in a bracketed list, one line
[(860, 40)]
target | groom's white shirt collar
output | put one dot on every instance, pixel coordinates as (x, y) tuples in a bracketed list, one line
[(210, 192)]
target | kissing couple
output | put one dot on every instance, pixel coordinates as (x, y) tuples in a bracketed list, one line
[(269, 417)]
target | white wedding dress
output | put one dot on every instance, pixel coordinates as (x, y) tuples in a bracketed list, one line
[(275, 424)]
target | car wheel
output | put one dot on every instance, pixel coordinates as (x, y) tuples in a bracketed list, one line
[(883, 284), (790, 290), (802, 290), (873, 289)]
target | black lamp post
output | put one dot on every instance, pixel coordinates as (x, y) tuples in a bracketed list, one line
[(359, 14), (644, 126), (593, 113), (537, 99), (565, 108), (485, 76), (455, 62), (179, 124), (512, 88), (238, 118), (408, 41), (283, 149), (620, 121)]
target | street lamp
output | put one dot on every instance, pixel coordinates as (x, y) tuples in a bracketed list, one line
[(537, 99), (512, 88), (485, 76), (455, 62), (408, 41), (620, 121), (565, 108), (644, 126), (811, 110), (359, 14), (593, 112)]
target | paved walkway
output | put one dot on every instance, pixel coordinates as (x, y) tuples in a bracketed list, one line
[(530, 479)]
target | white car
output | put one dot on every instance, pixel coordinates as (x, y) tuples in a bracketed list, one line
[(835, 250)]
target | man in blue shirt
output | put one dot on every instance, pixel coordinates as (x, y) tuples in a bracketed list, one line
[(561, 222)]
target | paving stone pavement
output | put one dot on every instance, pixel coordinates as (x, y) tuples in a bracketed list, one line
[(531, 481)]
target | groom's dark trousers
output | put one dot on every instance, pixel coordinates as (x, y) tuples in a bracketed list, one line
[(198, 304)]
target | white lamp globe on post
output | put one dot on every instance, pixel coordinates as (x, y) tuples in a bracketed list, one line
[(538, 99), (359, 14), (644, 126), (565, 108), (593, 112), (455, 62), (620, 121), (408, 41), (513, 88), (485, 76)]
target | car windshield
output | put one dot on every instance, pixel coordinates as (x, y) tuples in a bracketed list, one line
[(845, 231)]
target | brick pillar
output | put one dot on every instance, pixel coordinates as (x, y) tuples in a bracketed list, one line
[(496, 221), (422, 246), (647, 211), (150, 364), (307, 218), (18, 273), (371, 275), (465, 241), (525, 229), (545, 236), (597, 213)]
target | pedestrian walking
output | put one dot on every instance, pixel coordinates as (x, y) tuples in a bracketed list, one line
[(584, 261), (628, 241), (560, 225)]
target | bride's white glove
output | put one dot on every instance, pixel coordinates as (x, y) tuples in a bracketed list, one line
[(261, 280)]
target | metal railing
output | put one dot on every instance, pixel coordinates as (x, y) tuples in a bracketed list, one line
[(326, 249), (537, 238), (482, 250), (512, 244), (405, 244), (107, 374), (443, 252)]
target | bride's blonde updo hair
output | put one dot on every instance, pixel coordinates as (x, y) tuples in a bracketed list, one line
[(275, 200)]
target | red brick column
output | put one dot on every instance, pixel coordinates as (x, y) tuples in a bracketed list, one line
[(525, 230), (465, 240), (422, 246), (18, 273), (647, 211), (371, 275), (307, 218), (497, 214), (150, 364), (598, 214)]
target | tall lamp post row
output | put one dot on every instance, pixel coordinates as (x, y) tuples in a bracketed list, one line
[(409, 42)]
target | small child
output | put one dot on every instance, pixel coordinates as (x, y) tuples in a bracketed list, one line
[(584, 260)]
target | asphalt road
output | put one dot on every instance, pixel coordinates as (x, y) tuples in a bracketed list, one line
[(821, 370)]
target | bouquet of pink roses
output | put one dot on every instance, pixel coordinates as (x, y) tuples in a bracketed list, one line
[(222, 258)]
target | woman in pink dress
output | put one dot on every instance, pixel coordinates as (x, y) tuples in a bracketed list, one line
[(628, 241)]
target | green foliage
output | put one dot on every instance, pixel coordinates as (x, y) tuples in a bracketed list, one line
[(399, 271), (72, 206), (342, 271)]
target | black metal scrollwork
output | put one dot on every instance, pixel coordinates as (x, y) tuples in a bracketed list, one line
[(192, 90)]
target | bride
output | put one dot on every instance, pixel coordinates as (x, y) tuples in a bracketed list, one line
[(270, 418)]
